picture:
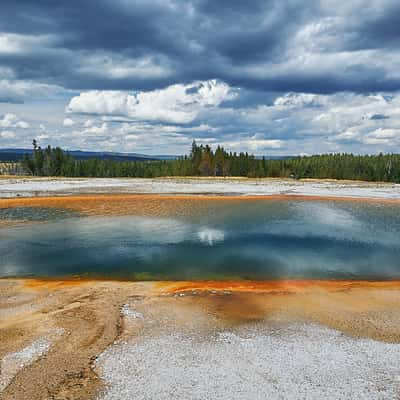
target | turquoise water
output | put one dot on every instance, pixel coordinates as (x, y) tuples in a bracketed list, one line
[(246, 240)]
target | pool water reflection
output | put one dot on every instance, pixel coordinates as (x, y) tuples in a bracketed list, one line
[(263, 239)]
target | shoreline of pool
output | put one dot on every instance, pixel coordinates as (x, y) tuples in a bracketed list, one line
[(69, 199), (111, 324), (33, 187)]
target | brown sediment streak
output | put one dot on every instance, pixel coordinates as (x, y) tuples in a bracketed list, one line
[(278, 286)]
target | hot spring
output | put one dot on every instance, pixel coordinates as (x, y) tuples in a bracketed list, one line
[(262, 239)]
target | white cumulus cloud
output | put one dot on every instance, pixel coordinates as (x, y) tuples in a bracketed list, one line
[(93, 131), (7, 134), (175, 104), (10, 120), (68, 122)]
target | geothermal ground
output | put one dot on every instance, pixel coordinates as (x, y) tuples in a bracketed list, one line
[(231, 340), (103, 340), (27, 187)]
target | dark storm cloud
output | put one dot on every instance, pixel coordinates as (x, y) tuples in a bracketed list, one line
[(253, 44), (378, 117), (381, 29)]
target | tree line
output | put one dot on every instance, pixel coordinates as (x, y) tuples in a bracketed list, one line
[(204, 161)]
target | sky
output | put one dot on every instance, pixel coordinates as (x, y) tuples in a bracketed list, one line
[(272, 77)]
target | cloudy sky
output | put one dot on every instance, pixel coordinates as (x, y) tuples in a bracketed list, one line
[(149, 76)]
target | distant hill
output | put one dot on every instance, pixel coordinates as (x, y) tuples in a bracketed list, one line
[(17, 154), (275, 157)]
